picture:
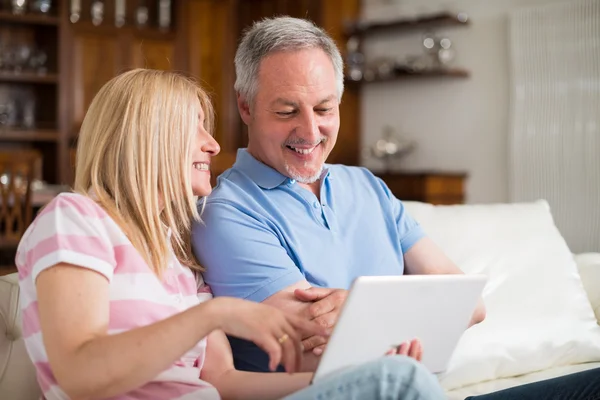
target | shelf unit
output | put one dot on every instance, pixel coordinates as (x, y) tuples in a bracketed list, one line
[(361, 30), (29, 96), (81, 58), (405, 24), (31, 19), (402, 74)]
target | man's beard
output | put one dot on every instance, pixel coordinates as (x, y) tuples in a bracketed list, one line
[(303, 178)]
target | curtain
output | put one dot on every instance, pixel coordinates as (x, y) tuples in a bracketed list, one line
[(555, 115)]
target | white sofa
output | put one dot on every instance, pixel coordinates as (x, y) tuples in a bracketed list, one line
[(515, 245), (543, 302)]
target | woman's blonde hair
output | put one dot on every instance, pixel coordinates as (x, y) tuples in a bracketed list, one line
[(134, 159)]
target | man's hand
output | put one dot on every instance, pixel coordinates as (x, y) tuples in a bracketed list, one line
[(325, 310), (412, 348)]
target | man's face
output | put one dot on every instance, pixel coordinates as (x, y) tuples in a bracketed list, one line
[(294, 120)]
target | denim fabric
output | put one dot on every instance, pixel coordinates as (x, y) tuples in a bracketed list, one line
[(388, 378)]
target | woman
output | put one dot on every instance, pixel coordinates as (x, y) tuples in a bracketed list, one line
[(111, 304)]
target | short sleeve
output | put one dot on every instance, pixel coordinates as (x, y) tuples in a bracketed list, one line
[(242, 255), (71, 229), (409, 230), (204, 293)]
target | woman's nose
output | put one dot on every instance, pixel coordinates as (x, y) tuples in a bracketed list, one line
[(210, 145)]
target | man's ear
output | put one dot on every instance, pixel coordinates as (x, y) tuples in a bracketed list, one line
[(244, 109)]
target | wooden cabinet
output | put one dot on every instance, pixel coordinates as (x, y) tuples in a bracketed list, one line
[(79, 57), (30, 86), (427, 186)]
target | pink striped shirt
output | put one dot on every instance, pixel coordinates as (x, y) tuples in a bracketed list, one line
[(74, 229)]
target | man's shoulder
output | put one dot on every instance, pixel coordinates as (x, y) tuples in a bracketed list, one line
[(349, 174), (232, 186)]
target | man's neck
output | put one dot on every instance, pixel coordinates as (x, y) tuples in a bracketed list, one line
[(314, 187)]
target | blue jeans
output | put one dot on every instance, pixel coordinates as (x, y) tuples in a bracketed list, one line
[(584, 385), (388, 378)]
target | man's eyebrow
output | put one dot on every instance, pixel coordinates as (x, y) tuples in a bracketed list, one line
[(327, 99), (285, 102)]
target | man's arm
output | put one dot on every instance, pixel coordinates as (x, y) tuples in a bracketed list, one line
[(245, 258), (425, 258)]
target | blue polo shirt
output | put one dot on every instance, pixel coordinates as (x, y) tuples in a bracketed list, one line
[(262, 232)]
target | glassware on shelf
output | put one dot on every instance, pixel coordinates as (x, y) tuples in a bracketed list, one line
[(19, 6), (97, 12), (75, 11), (142, 14), (41, 6), (355, 60), (164, 14), (37, 62), (120, 8)]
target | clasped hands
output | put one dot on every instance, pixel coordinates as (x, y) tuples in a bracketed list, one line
[(325, 310)]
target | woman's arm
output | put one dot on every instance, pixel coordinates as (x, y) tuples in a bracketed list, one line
[(73, 306), (219, 371)]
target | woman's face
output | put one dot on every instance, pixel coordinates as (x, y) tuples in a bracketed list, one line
[(204, 147)]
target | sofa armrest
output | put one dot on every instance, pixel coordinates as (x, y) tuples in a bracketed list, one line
[(589, 270)]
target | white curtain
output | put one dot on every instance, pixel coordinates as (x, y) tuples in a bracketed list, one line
[(555, 111)]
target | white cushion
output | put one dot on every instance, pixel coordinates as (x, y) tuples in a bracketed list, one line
[(538, 313)]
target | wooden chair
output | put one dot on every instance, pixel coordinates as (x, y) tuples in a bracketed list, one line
[(17, 171)]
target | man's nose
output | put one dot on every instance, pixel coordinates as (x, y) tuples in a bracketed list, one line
[(309, 129)]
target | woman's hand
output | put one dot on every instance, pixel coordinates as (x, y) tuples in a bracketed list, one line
[(277, 333), (413, 349)]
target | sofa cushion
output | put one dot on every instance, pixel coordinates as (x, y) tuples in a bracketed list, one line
[(17, 374), (539, 315)]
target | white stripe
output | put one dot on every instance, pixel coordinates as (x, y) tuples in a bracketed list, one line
[(207, 393), (68, 221), (35, 348), (202, 297), (29, 294), (54, 392), (139, 286)]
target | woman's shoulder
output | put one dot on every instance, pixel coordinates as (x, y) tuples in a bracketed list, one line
[(76, 204)]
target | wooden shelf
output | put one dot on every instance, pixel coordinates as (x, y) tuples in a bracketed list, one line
[(28, 77), (31, 19), (406, 74), (149, 32), (430, 21), (24, 135)]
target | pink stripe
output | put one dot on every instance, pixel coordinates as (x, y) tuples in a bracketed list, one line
[(129, 314), (129, 260), (31, 320), (86, 245), (83, 205), (204, 289), (45, 377), (162, 390), (187, 283), (175, 283)]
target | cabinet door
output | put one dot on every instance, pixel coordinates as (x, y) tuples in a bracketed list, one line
[(152, 54), (95, 61)]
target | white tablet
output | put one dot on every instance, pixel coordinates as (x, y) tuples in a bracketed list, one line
[(383, 311)]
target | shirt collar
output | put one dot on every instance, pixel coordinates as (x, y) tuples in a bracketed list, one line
[(263, 175)]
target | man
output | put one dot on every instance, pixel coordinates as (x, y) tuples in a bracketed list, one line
[(282, 227)]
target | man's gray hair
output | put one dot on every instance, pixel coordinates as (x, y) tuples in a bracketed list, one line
[(281, 34)]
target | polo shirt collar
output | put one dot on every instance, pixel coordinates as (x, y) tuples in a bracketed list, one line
[(263, 175)]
